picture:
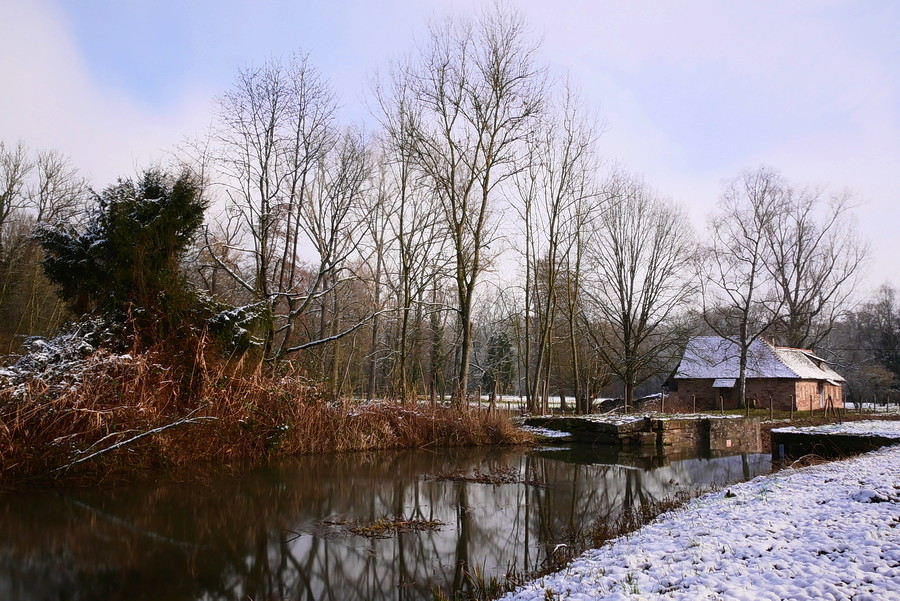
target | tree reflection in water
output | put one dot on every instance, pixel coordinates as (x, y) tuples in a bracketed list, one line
[(262, 535)]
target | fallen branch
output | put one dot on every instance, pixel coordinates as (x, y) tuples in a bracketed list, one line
[(184, 420)]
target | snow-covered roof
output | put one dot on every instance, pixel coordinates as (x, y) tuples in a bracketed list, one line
[(717, 358), (807, 365)]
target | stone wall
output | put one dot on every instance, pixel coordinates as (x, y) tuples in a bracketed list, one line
[(681, 433), (736, 434), (731, 434)]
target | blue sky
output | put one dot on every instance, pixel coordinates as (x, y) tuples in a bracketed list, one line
[(692, 92)]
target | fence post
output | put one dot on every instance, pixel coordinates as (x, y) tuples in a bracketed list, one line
[(792, 408), (694, 399), (771, 407), (721, 404)]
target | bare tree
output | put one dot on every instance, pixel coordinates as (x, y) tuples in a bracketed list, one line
[(584, 368), (640, 263), (294, 184), (816, 258), (740, 297), (419, 242), (419, 233), (34, 188), (475, 93), (864, 345), (330, 218), (251, 128), (556, 197), (59, 192), (377, 214), (15, 167)]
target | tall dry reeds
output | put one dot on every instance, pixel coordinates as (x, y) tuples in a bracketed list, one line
[(129, 414)]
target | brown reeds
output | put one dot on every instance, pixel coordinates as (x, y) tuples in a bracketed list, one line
[(385, 526), (129, 414)]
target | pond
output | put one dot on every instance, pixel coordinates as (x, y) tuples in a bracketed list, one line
[(285, 531)]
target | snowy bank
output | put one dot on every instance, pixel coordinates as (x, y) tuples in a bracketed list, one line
[(884, 429), (830, 531), (545, 432)]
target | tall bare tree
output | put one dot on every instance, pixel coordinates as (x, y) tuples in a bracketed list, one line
[(15, 167), (741, 300), (475, 92), (294, 183), (816, 260), (331, 221), (59, 192), (640, 264), (555, 198), (419, 238)]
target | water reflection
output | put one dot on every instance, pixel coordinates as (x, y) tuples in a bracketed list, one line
[(264, 535)]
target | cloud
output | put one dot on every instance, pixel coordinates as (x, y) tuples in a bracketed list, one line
[(692, 92), (696, 92), (51, 100)]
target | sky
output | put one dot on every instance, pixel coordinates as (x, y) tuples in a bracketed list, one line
[(692, 92)]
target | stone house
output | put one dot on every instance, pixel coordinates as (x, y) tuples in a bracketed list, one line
[(709, 369)]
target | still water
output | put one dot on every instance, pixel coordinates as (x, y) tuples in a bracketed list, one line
[(281, 532)]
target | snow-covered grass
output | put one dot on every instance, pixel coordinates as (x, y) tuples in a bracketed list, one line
[(892, 407), (884, 429), (830, 531), (545, 432)]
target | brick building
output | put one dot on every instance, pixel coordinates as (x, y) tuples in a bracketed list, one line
[(710, 367)]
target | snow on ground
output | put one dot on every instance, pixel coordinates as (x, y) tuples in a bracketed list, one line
[(620, 419), (886, 429), (680, 416), (545, 432), (830, 531)]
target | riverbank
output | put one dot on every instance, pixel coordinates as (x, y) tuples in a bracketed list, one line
[(830, 531), (107, 415)]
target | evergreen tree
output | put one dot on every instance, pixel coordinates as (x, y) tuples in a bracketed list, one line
[(499, 363), (125, 262)]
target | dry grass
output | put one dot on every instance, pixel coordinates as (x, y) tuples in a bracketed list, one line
[(495, 477), (127, 415), (385, 526)]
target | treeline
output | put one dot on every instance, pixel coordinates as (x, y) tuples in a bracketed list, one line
[(475, 242), (35, 187)]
